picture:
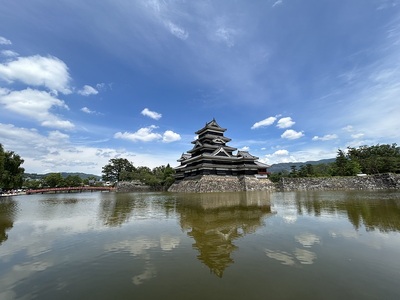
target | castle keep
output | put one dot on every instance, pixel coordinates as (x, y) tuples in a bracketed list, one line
[(212, 156), (211, 160)]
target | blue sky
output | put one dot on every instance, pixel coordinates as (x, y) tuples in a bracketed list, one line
[(82, 82)]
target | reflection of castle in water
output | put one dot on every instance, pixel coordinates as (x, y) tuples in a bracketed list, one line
[(214, 221)]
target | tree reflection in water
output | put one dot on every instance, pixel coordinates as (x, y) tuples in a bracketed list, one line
[(373, 210), (8, 208), (216, 220)]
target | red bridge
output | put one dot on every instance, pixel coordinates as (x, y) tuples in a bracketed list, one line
[(78, 189)]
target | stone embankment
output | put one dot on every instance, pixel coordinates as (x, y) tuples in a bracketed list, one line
[(127, 186), (370, 182), (214, 183)]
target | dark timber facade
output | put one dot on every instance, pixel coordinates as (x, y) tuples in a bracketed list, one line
[(212, 156)]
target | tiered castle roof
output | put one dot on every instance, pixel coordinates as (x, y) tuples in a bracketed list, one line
[(211, 155)]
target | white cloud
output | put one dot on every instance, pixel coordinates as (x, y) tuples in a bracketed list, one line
[(326, 137), (37, 70), (177, 31), (9, 53), (348, 128), (279, 156), (56, 152), (170, 136), (4, 41), (265, 122), (35, 105), (58, 136), (281, 152), (88, 111), (57, 123), (308, 239), (87, 90), (290, 134), (279, 2), (145, 134), (285, 122), (225, 35), (245, 148), (151, 114), (357, 135)]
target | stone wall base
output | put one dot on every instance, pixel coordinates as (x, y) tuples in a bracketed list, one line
[(215, 183), (126, 187), (370, 182)]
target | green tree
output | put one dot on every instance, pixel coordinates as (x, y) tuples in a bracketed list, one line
[(32, 183), (73, 180), (376, 159), (293, 171), (54, 180), (11, 171), (344, 166), (118, 169)]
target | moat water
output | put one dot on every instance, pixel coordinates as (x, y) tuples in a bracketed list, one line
[(254, 245)]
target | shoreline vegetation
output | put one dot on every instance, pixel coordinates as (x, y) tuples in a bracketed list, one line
[(354, 168)]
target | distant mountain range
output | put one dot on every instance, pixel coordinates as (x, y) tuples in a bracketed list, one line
[(281, 167), (63, 174)]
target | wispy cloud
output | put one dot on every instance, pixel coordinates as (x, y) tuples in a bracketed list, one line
[(89, 111), (327, 137), (88, 90), (177, 31), (151, 114), (225, 35), (276, 3), (36, 105), (4, 41), (56, 152), (357, 135), (9, 53)]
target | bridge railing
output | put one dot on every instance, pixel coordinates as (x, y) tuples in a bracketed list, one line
[(68, 189)]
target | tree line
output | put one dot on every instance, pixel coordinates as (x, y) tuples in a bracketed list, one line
[(374, 159), (121, 169), (53, 180)]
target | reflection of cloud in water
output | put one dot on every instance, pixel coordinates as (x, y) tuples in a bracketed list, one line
[(349, 234), (167, 243), (289, 219), (17, 274), (138, 246), (307, 239), (305, 257), (283, 257), (148, 273), (375, 240)]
